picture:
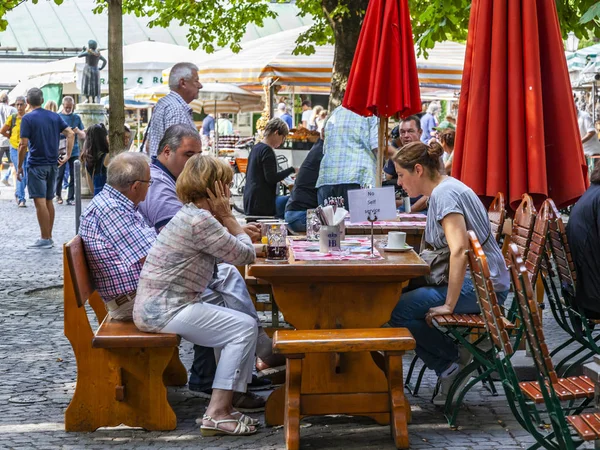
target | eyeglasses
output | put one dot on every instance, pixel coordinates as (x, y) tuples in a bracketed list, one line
[(150, 181)]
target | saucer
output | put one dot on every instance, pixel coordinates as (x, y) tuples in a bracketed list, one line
[(392, 249)]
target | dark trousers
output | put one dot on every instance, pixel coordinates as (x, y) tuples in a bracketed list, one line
[(337, 190), (61, 175), (204, 367)]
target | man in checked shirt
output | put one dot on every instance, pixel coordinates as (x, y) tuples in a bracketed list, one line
[(174, 108), (115, 236)]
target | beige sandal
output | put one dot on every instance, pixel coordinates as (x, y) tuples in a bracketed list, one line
[(240, 430)]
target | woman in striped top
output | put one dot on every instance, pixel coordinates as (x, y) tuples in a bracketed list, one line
[(179, 268)]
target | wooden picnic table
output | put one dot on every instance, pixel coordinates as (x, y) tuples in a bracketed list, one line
[(338, 294)]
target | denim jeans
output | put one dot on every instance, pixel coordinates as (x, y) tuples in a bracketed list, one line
[(61, 174), (435, 349), (20, 187), (280, 202), (296, 221), (337, 190)]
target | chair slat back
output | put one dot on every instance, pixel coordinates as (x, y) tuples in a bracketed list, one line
[(559, 247), (79, 270), (488, 302), (530, 315), (523, 225), (497, 215), (537, 245)]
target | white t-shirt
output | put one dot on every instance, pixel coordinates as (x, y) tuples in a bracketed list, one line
[(586, 125), (306, 115)]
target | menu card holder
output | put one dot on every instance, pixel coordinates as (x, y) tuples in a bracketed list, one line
[(372, 218)]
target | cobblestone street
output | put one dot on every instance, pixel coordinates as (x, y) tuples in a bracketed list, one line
[(38, 372)]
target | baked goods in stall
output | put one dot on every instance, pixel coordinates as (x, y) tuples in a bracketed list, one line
[(303, 134)]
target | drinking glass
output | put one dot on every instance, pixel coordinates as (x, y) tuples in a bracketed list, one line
[(277, 250)]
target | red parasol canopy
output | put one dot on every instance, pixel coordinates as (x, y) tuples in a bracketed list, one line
[(517, 124), (383, 80)]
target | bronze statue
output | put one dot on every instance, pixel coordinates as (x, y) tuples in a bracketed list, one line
[(90, 84)]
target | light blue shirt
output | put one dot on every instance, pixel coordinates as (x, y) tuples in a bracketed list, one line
[(348, 149), (427, 124)]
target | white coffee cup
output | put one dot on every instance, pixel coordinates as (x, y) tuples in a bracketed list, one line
[(396, 239)]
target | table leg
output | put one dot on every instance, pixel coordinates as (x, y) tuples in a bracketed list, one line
[(398, 405), (293, 381)]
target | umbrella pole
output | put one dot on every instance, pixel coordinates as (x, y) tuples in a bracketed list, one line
[(380, 151), (216, 150)]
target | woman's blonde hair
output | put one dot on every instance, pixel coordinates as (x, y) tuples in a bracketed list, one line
[(51, 106), (428, 156), (200, 174)]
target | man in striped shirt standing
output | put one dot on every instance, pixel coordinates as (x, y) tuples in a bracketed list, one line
[(174, 108)]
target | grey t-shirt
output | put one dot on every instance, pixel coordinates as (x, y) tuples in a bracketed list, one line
[(452, 196)]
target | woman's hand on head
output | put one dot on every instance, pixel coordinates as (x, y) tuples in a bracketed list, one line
[(219, 200)]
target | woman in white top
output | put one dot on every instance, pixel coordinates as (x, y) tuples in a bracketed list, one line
[(453, 209), (178, 269)]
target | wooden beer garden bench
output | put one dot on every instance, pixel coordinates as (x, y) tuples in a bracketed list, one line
[(122, 373), (294, 344)]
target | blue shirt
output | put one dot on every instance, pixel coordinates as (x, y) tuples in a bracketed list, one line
[(43, 128), (208, 125), (348, 149), (427, 124), (73, 121), (170, 110), (287, 119)]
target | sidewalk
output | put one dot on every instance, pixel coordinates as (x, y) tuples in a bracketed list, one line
[(38, 372)]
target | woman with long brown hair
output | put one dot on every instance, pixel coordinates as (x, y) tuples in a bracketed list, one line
[(453, 209)]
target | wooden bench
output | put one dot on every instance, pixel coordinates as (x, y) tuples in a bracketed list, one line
[(294, 344), (121, 371)]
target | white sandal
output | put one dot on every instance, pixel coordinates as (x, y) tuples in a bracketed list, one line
[(246, 420), (240, 430)]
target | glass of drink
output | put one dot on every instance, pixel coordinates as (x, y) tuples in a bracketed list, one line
[(277, 250), (312, 225)]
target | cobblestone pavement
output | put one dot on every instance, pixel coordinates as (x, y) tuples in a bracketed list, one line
[(38, 372)]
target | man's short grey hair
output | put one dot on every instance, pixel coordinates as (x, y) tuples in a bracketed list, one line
[(433, 108), (125, 169), (21, 98), (3, 97), (175, 135), (68, 99), (35, 97), (181, 71)]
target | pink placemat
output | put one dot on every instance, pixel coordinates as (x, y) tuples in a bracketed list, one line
[(309, 251), (388, 224)]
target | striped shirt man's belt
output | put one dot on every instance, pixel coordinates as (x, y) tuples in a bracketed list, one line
[(116, 303)]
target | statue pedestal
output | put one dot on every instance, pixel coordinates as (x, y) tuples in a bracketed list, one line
[(91, 114)]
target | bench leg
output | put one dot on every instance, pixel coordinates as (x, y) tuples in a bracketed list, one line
[(293, 383), (399, 409), (175, 373)]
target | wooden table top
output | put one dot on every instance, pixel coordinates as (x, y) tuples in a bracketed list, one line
[(393, 265)]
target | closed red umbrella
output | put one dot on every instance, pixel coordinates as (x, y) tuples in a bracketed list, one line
[(383, 80), (517, 125)]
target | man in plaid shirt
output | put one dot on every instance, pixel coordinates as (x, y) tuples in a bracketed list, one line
[(349, 158), (174, 108), (115, 236)]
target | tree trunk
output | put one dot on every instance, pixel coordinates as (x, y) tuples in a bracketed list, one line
[(116, 113), (346, 30)]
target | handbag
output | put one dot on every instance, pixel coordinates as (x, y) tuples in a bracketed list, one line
[(439, 267)]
